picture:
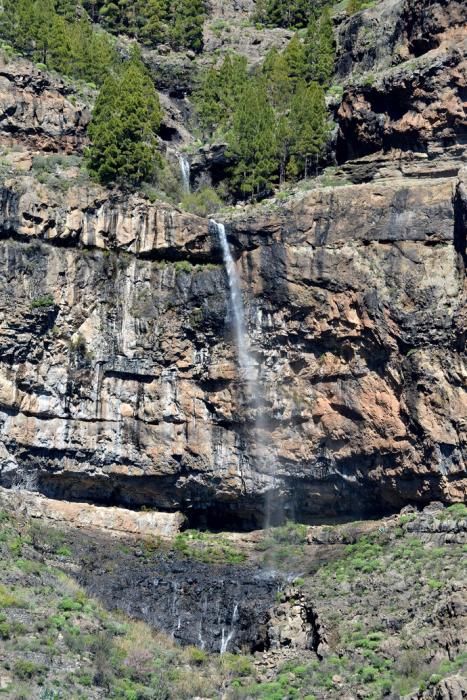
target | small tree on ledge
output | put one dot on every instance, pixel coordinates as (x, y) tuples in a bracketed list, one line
[(124, 125)]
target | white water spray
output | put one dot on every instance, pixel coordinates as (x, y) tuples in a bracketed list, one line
[(245, 361), (185, 172), (227, 639), (248, 370)]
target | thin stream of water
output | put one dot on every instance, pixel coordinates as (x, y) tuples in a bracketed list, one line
[(185, 172), (245, 361), (247, 365)]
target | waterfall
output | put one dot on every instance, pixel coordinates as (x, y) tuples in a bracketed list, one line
[(227, 639), (250, 376), (245, 361), (185, 172)]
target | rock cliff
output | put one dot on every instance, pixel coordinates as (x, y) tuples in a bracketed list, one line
[(119, 381)]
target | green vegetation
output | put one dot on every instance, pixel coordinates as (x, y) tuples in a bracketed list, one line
[(208, 548), (457, 511), (124, 126), (253, 142), (175, 22), (320, 50), (354, 6), (381, 638), (62, 34), (284, 547), (59, 36), (275, 121), (43, 302), (68, 646), (287, 13), (203, 202), (219, 92)]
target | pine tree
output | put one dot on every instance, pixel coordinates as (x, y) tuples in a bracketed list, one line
[(253, 142), (233, 76), (67, 9), (219, 92), (111, 16), (308, 124), (187, 24), (294, 56), (284, 139), (285, 13), (41, 30), (123, 128), (154, 30), (279, 84), (320, 49), (16, 22), (43, 25)]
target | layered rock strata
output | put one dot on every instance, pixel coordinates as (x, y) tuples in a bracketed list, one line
[(119, 381)]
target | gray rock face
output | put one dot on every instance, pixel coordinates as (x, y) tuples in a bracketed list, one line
[(119, 380), (418, 106), (35, 109), (393, 31), (452, 688)]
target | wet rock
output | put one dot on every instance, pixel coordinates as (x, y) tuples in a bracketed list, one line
[(119, 379), (217, 608)]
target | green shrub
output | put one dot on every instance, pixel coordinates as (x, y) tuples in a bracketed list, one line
[(70, 605), (43, 302), (290, 533), (183, 266), (15, 546), (368, 674), (64, 551), (24, 669), (197, 656), (204, 202), (236, 665), (457, 511), (435, 584), (407, 518), (9, 599)]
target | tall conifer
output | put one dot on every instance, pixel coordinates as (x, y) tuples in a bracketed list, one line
[(253, 142), (309, 125), (320, 49), (123, 129)]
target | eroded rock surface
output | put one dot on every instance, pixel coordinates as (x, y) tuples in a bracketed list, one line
[(118, 521), (36, 109), (119, 378)]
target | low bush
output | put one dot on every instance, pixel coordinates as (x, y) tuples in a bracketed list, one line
[(204, 202)]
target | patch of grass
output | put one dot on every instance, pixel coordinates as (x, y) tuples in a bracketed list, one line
[(9, 599), (208, 548), (407, 518), (458, 511)]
